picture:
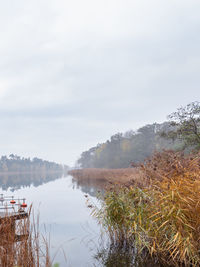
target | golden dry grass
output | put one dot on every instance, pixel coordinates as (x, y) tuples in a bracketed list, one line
[(114, 176), (163, 215)]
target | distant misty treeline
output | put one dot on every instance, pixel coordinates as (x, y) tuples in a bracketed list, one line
[(15, 163), (124, 148)]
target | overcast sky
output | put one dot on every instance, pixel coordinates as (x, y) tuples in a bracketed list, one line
[(74, 72)]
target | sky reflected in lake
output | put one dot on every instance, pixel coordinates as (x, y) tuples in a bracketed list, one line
[(63, 210)]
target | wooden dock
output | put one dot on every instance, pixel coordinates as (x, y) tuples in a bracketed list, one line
[(8, 221), (10, 212), (12, 216)]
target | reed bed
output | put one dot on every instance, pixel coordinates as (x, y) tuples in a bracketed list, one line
[(31, 251), (160, 215), (107, 175)]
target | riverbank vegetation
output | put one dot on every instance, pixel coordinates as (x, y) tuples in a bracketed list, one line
[(106, 175), (160, 216), (157, 214)]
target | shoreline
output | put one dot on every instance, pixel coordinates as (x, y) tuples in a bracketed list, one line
[(119, 176)]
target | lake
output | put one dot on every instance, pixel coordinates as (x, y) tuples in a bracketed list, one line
[(61, 202)]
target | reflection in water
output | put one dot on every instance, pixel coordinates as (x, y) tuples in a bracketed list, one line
[(15, 181), (70, 222), (89, 186), (119, 257), (64, 213), (114, 257)]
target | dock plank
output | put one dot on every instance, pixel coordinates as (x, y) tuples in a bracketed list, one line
[(12, 216)]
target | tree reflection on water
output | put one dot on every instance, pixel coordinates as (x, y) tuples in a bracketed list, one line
[(89, 186), (15, 181)]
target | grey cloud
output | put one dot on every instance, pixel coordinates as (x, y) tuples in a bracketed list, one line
[(83, 70)]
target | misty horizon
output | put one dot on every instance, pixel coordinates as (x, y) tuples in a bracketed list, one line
[(74, 73)]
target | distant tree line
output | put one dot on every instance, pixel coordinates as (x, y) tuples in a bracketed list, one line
[(181, 132), (15, 163), (122, 150)]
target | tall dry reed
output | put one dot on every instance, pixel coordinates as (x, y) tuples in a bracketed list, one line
[(162, 216), (106, 175), (22, 245)]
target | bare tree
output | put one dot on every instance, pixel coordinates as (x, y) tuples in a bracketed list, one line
[(185, 125)]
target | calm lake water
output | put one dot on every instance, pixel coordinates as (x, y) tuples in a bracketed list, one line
[(62, 205)]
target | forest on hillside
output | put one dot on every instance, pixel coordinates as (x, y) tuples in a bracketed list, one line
[(15, 163), (124, 149), (181, 132)]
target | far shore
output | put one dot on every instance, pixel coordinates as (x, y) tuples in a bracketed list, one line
[(119, 176)]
